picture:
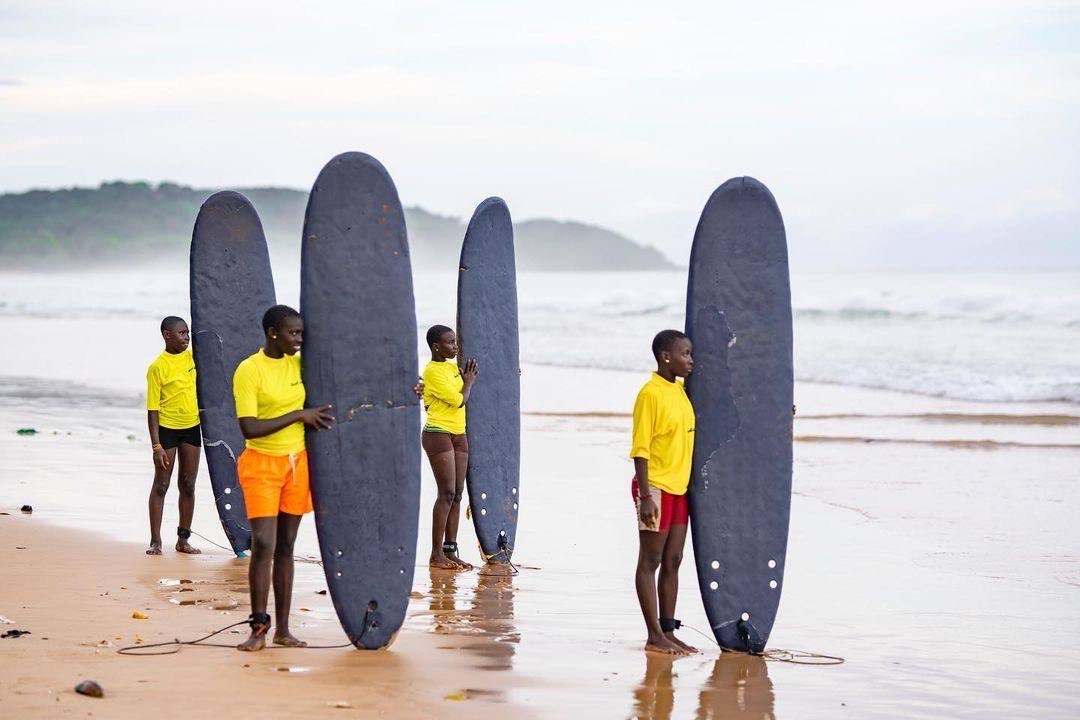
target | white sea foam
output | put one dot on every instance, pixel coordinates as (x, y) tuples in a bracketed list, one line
[(999, 338)]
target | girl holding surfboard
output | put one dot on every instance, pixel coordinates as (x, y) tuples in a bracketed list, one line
[(446, 391)]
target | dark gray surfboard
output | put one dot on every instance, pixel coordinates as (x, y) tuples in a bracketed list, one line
[(487, 318), (231, 288), (360, 355), (738, 315)]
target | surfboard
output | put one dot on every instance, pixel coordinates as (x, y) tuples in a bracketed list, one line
[(360, 355), (487, 318), (738, 315), (231, 287)]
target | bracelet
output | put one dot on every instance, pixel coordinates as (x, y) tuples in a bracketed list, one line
[(157, 446)]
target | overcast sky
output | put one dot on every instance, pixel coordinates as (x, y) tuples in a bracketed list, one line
[(924, 133)]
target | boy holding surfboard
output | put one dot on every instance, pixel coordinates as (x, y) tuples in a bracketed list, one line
[(273, 469), (662, 450), (172, 417)]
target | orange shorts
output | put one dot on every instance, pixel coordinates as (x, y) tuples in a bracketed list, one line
[(274, 483)]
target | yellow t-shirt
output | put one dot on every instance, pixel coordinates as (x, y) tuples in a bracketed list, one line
[(663, 433), (442, 397), (170, 389), (266, 388)]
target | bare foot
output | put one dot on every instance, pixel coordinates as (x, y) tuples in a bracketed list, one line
[(453, 557), (154, 549), (256, 642), (183, 546), (286, 639), (439, 560), (688, 648), (664, 646)]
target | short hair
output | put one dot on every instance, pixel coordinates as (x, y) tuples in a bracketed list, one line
[(665, 340), (171, 321), (435, 333), (272, 318)]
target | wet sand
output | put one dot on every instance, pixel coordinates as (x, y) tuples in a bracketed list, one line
[(930, 547)]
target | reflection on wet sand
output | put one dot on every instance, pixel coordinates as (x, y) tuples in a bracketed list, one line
[(489, 618), (739, 686)]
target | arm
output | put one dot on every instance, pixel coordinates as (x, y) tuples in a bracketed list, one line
[(648, 510), (153, 424), (317, 417)]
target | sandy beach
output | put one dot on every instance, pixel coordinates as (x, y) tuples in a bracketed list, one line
[(931, 547)]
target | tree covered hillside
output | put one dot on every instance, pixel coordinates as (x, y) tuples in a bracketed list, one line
[(122, 221)]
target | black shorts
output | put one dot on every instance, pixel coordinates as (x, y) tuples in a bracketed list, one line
[(171, 438)]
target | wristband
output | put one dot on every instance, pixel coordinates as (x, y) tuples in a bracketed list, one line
[(157, 446)]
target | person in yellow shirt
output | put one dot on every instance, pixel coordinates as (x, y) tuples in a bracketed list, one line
[(273, 469), (172, 416), (446, 389), (663, 450)]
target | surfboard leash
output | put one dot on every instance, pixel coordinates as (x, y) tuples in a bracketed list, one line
[(503, 550), (261, 624), (795, 657)]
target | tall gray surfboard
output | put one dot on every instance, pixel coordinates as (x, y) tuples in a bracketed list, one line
[(487, 318), (231, 287), (360, 355), (738, 315)]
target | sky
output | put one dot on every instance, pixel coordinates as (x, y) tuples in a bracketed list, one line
[(927, 134)]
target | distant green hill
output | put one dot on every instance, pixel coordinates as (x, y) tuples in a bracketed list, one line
[(135, 221)]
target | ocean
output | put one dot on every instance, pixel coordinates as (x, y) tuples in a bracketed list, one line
[(993, 338)]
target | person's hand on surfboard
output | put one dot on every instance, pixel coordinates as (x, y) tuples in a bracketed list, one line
[(318, 417), (470, 371), (418, 388)]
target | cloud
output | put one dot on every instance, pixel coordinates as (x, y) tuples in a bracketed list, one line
[(5, 82)]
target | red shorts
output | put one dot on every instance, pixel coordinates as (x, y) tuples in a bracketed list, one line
[(674, 509)]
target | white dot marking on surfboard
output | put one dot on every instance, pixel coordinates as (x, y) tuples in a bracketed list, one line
[(483, 496), (228, 506), (513, 490), (772, 584), (713, 585), (745, 616), (715, 564), (483, 511), (228, 491), (515, 506), (772, 563)]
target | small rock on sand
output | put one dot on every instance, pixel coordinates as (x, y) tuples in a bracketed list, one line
[(91, 688)]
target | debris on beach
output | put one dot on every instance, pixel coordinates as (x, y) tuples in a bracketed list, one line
[(343, 704), (15, 633), (27, 509), (5, 620), (139, 615), (27, 431), (460, 695), (90, 689)]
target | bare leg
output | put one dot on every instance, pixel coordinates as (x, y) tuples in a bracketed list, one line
[(189, 469), (442, 466), (284, 568), (156, 503), (650, 552), (263, 541), (668, 584), (453, 518)]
